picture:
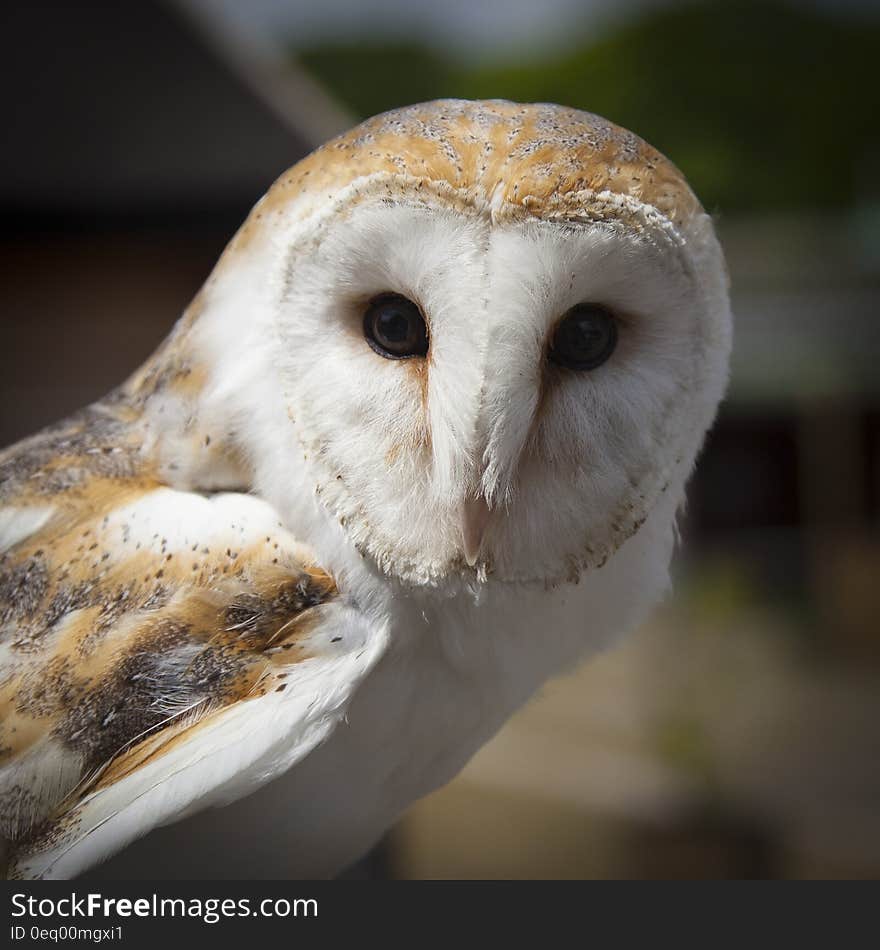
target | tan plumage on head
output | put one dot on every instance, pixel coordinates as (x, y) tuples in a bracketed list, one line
[(417, 444), (520, 158)]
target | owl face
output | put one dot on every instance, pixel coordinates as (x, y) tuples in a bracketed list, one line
[(481, 386)]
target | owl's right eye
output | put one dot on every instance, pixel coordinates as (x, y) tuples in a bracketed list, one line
[(395, 328)]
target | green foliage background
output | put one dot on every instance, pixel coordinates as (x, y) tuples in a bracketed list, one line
[(764, 105)]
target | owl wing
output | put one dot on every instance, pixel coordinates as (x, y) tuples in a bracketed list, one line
[(160, 650)]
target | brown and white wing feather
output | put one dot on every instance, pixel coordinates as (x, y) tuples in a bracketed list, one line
[(160, 650)]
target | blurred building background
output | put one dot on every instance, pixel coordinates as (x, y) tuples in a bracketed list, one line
[(738, 733)]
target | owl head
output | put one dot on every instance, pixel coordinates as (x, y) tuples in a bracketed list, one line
[(473, 339)]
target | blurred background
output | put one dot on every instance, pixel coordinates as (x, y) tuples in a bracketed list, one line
[(738, 733)]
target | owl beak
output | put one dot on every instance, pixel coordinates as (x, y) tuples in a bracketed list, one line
[(475, 516)]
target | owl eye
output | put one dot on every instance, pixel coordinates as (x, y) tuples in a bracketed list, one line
[(395, 328), (584, 338)]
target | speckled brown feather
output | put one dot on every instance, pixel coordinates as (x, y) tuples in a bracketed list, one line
[(111, 647)]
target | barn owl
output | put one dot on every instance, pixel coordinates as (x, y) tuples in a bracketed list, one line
[(417, 445)]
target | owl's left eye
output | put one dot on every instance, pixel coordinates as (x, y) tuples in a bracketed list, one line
[(584, 338), (395, 328)]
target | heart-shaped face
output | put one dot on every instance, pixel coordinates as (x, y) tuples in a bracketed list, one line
[(493, 337)]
